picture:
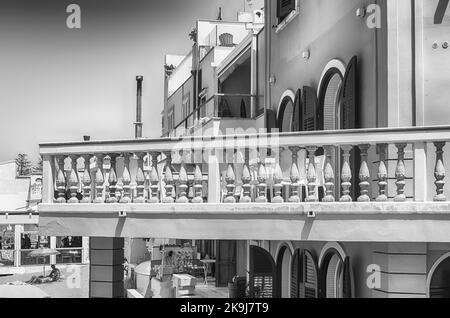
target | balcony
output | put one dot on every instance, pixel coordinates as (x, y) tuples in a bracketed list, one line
[(219, 113), (384, 185)]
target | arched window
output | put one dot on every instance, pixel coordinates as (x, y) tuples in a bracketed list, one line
[(439, 278), (286, 112), (329, 92), (284, 260)]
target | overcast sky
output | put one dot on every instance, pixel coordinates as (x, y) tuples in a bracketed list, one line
[(58, 84)]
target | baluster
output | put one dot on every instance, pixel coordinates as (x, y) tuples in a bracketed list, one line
[(329, 176), (295, 176), (154, 179), (400, 174), (364, 175), (346, 175), (182, 181), (439, 172), (126, 179), (140, 179), (198, 186), (312, 176), (262, 185), (86, 181), (60, 181), (73, 180), (230, 179), (112, 180), (99, 180), (168, 178), (278, 178), (382, 174)]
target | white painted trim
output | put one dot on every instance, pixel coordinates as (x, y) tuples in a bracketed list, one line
[(338, 64), (289, 245), (283, 24), (331, 245), (433, 269), (288, 93)]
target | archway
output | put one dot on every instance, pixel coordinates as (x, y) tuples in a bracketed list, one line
[(438, 281), (284, 261), (286, 111), (262, 276)]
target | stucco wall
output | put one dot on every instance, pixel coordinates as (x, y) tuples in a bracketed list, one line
[(329, 29)]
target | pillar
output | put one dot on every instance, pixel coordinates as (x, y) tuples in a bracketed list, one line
[(18, 229), (106, 278), (403, 270)]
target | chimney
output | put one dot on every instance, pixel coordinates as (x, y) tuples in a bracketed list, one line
[(138, 123)]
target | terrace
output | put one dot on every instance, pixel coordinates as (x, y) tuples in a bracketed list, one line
[(384, 185)]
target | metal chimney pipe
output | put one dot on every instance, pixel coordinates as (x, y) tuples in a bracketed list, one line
[(138, 123)]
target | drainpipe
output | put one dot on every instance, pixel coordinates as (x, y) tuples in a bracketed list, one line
[(138, 123), (268, 44)]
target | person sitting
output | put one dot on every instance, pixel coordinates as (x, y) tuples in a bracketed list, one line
[(54, 276)]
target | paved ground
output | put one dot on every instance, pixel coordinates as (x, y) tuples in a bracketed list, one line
[(75, 283)]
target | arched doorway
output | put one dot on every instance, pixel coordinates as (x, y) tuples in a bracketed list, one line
[(336, 274), (439, 278), (329, 100), (284, 260), (262, 278)]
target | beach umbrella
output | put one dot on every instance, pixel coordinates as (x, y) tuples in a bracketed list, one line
[(21, 291), (43, 252)]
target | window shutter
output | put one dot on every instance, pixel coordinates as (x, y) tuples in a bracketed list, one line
[(262, 277), (296, 274), (284, 8), (347, 281), (271, 120), (310, 104), (349, 97), (297, 115), (310, 283)]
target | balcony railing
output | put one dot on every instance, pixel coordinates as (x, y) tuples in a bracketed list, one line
[(376, 165), (221, 106)]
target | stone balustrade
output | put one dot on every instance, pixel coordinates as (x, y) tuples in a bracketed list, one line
[(376, 165)]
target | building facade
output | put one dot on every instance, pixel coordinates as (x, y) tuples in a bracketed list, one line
[(342, 194)]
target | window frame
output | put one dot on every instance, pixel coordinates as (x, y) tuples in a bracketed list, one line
[(282, 23)]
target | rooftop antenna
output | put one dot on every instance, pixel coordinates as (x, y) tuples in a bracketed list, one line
[(138, 123)]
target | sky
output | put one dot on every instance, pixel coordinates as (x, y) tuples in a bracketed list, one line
[(59, 84)]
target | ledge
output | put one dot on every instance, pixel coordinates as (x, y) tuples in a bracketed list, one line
[(344, 222)]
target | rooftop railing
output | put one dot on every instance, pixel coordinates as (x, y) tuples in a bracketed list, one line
[(379, 165)]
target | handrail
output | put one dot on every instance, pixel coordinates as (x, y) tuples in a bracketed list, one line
[(316, 138)]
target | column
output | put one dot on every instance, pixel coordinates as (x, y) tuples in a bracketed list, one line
[(106, 267)]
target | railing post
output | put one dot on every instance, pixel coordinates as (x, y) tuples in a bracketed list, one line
[(99, 180), (154, 180), (87, 181), (182, 181), (346, 174), (364, 175), (295, 176), (140, 179), (278, 178), (61, 181), (329, 176), (73, 180), (400, 171), (126, 179), (439, 172), (48, 185), (246, 177), (382, 174), (168, 178), (112, 180), (311, 174), (214, 186)]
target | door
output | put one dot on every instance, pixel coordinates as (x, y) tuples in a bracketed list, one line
[(225, 262), (310, 278), (262, 273)]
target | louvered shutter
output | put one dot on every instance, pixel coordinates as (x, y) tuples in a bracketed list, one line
[(296, 274), (309, 105), (347, 281), (349, 97), (262, 280), (297, 114), (310, 277), (284, 8)]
